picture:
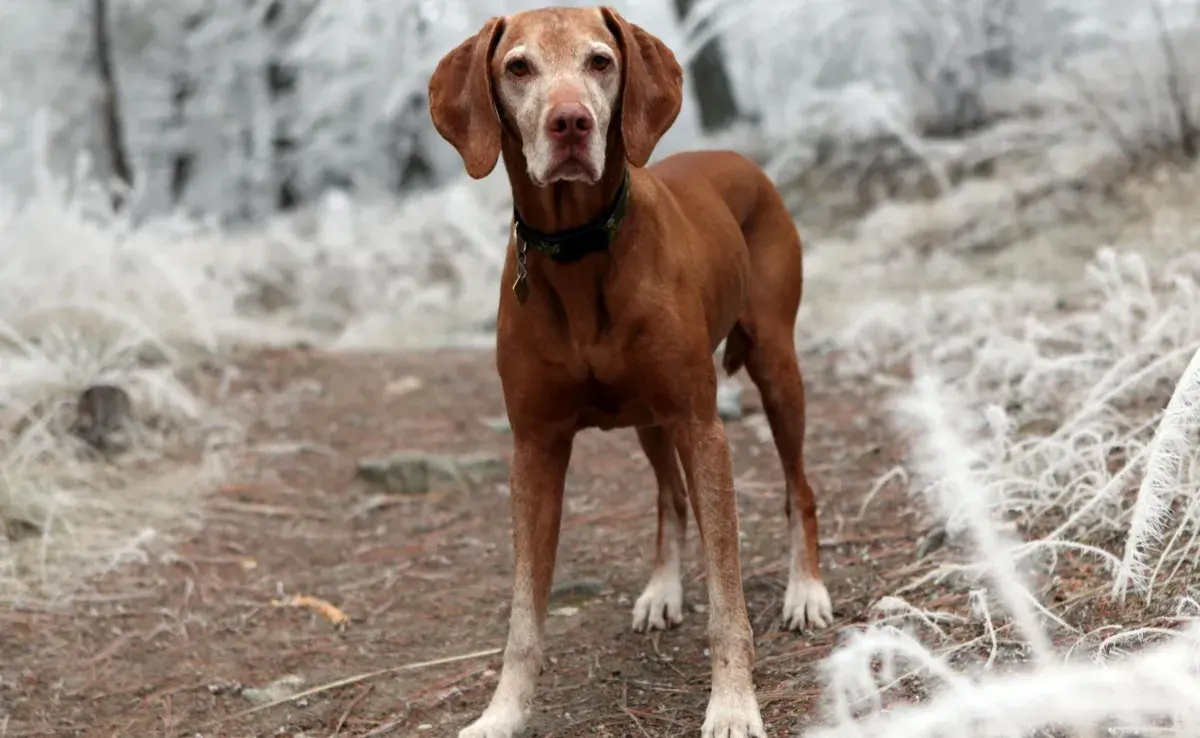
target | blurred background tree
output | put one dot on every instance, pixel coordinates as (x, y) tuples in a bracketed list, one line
[(240, 109), (718, 107)]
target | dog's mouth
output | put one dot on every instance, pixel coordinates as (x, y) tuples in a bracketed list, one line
[(571, 164)]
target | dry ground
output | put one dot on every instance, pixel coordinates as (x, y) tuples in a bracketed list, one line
[(166, 649)]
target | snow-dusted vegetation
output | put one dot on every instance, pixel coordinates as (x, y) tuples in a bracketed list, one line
[(997, 196)]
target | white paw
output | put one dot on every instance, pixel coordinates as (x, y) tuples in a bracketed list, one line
[(660, 606), (806, 604), (733, 715), (497, 721)]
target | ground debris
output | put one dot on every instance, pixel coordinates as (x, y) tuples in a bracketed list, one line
[(418, 472), (279, 689), (322, 607), (403, 386), (575, 590), (217, 689)]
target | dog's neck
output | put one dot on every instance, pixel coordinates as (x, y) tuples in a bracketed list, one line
[(561, 206), (577, 287)]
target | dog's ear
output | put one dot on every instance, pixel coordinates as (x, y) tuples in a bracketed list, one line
[(651, 87), (461, 100)]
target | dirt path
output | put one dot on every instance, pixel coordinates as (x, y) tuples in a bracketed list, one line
[(168, 648)]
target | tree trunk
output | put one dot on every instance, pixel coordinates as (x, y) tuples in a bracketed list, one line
[(281, 85), (110, 102), (710, 78), (414, 171)]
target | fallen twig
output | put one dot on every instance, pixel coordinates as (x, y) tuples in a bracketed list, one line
[(362, 695), (270, 511), (633, 716), (345, 682), (387, 727)]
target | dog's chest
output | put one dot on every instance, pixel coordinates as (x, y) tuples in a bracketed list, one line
[(606, 407)]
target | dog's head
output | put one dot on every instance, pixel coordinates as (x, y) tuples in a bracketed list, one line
[(558, 79)]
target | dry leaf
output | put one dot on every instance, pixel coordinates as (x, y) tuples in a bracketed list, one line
[(328, 611)]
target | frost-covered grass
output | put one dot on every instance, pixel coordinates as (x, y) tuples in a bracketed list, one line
[(1137, 680), (1052, 424), (86, 299)]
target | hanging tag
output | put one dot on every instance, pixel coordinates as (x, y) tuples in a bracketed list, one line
[(521, 286)]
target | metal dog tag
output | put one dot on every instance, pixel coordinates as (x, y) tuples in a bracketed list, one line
[(521, 289), (521, 286)]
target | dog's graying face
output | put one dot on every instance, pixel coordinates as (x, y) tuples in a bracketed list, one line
[(558, 81), (561, 78)]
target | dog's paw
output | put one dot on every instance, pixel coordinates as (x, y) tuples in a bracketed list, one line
[(806, 604), (497, 721), (660, 606), (733, 715)]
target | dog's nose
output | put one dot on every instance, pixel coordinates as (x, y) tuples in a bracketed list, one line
[(569, 122)]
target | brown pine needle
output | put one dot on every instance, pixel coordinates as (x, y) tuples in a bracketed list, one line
[(330, 613), (341, 723), (356, 679)]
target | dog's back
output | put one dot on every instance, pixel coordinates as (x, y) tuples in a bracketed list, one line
[(740, 182), (703, 183)]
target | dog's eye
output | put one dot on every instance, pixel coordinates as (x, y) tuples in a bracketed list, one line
[(600, 62), (518, 67)]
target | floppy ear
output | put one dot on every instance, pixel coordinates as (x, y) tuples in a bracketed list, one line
[(651, 88), (461, 100)]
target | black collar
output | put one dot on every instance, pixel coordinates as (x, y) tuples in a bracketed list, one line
[(575, 243)]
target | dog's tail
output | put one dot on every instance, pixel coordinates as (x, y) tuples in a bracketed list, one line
[(737, 347)]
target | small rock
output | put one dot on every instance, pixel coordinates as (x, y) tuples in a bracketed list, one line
[(760, 428), (279, 689), (575, 590), (729, 400), (564, 612), (425, 726), (403, 386), (104, 417), (222, 688), (17, 530), (417, 472), (479, 468), (933, 539), (498, 423)]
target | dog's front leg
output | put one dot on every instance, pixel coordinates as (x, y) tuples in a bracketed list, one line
[(732, 707), (539, 470)]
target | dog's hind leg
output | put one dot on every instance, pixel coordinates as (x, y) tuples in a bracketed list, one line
[(764, 338), (773, 367), (660, 605)]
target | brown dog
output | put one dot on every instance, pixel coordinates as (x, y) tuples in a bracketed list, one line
[(619, 284)]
